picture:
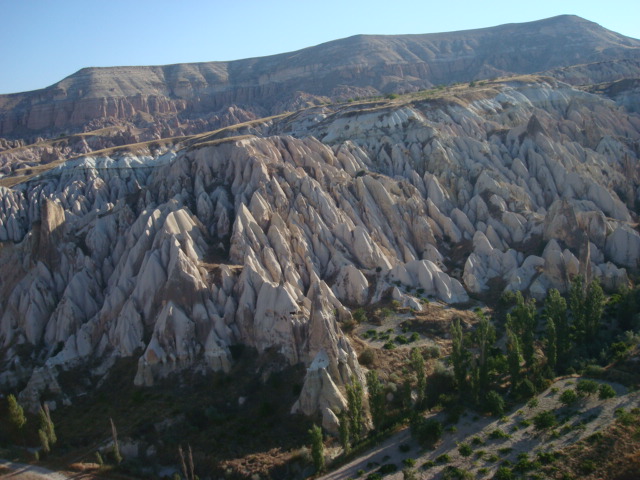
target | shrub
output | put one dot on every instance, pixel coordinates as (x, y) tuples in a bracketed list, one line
[(359, 315), (426, 432), (465, 449), (587, 387), (444, 458), (409, 474), (389, 346), (428, 464), (543, 420), (568, 397), (547, 457), (533, 403), (401, 340), (455, 473), (477, 440), (409, 462), (404, 447), (525, 423), (388, 468), (504, 473), (498, 434), (606, 391), (367, 357), (494, 403)]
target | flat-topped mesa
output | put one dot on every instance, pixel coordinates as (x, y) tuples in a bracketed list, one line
[(363, 65)]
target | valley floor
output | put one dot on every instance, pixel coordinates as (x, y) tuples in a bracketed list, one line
[(580, 421)]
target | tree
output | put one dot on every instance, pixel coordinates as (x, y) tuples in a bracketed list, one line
[(576, 305), (568, 397), (551, 344), (426, 432), (356, 414), (523, 322), (343, 431), (46, 431), (606, 391), (116, 448), (513, 354), (418, 367), (556, 310), (16, 413), (586, 387), (459, 355), (317, 447), (485, 337), (494, 403), (593, 310), (376, 399)]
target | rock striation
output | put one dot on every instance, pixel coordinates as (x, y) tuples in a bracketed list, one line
[(179, 99)]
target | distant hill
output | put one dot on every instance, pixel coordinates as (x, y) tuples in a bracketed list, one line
[(192, 97)]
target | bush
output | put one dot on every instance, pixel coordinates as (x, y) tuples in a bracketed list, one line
[(367, 357), (455, 473), (426, 432), (568, 397), (465, 449), (404, 447), (498, 434), (606, 391), (544, 420), (428, 464), (359, 315), (388, 468), (504, 473), (587, 387), (494, 403), (444, 458), (409, 462)]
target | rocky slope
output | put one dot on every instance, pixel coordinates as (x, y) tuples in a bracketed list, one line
[(185, 98), (266, 234)]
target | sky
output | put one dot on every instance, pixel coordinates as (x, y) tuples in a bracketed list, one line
[(44, 41)]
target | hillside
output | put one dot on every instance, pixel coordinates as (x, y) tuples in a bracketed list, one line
[(226, 289), (191, 98)]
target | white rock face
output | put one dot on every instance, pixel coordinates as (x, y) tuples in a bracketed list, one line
[(263, 240)]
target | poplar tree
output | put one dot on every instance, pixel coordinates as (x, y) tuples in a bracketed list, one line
[(459, 355), (418, 367), (593, 310), (16, 413), (576, 305), (513, 354), (555, 307), (376, 399), (485, 336), (356, 414), (552, 349), (343, 431), (524, 323), (317, 447)]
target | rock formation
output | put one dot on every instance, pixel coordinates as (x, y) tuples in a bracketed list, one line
[(265, 234)]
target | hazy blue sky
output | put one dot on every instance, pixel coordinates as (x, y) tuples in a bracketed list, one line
[(43, 41)]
